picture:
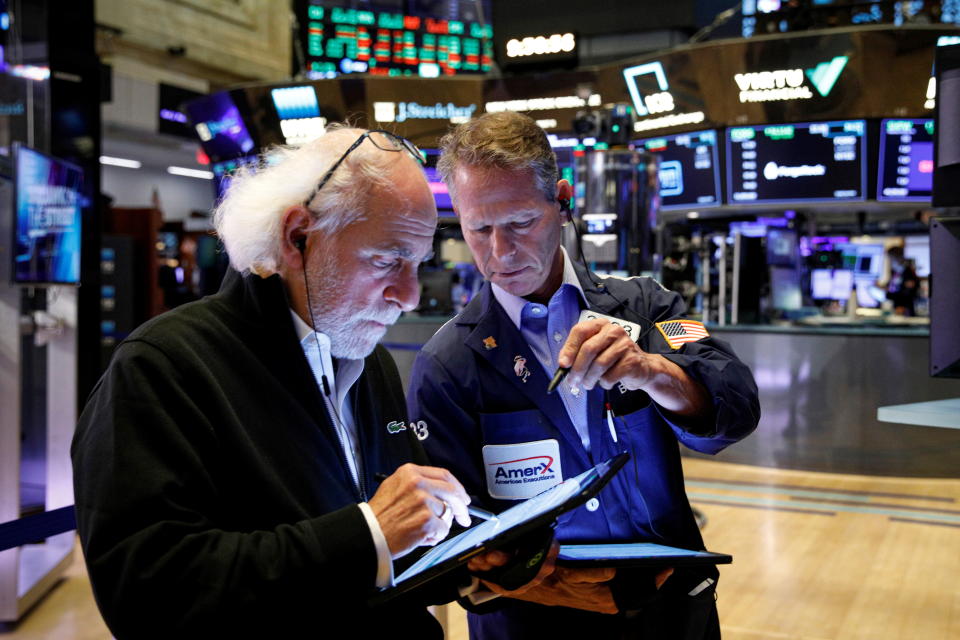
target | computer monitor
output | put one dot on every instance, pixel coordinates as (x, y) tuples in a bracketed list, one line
[(906, 160), (46, 232), (785, 289), (689, 170), (869, 295), (917, 248), (944, 301), (821, 284), (797, 162), (868, 262), (842, 284), (782, 247), (831, 284)]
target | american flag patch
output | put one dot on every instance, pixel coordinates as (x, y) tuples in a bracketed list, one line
[(679, 332)]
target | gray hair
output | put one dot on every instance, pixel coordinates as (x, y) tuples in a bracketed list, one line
[(502, 140), (249, 217)]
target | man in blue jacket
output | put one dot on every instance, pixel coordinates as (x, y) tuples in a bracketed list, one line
[(642, 377)]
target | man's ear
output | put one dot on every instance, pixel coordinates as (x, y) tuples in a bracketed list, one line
[(564, 196), (296, 223)]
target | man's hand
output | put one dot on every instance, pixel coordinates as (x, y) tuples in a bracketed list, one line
[(565, 587), (574, 588), (494, 559), (417, 505), (600, 352)]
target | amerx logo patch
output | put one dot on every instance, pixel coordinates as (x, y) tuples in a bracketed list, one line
[(520, 471)]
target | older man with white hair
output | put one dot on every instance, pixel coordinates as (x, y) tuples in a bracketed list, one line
[(245, 466)]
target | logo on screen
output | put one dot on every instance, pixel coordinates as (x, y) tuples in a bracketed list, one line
[(772, 171)]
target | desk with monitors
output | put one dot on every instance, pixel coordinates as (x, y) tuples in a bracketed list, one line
[(906, 160), (789, 163), (689, 169)]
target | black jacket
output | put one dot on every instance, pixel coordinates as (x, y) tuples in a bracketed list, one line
[(212, 496)]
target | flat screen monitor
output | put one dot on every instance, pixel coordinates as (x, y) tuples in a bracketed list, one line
[(869, 295), (782, 247), (48, 221), (786, 163), (785, 292), (906, 160), (689, 169), (944, 301), (869, 261), (218, 123), (831, 284), (821, 284)]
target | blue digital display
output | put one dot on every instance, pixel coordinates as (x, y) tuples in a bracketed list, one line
[(48, 221), (689, 169), (906, 160), (295, 102)]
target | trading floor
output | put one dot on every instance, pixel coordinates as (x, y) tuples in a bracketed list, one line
[(817, 556)]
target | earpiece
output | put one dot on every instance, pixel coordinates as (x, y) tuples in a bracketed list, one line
[(564, 205), (300, 244)]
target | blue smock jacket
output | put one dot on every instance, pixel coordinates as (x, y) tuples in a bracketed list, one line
[(467, 390)]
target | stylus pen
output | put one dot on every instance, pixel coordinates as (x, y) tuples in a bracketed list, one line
[(476, 512), (482, 514), (558, 378)]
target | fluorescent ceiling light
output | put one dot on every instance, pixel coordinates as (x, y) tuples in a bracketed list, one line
[(190, 173), (120, 162)]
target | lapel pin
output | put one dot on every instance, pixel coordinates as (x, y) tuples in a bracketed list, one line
[(489, 343), (520, 368)]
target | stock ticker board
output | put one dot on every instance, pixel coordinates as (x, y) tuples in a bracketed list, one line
[(412, 42)]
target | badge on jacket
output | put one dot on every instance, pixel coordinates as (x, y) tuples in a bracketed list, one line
[(520, 471), (520, 368), (679, 332), (632, 328)]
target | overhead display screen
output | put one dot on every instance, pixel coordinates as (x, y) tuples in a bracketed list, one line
[(47, 228), (786, 163), (689, 169), (218, 123), (410, 38), (906, 160)]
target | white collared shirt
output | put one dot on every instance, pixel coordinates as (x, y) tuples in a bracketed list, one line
[(316, 347)]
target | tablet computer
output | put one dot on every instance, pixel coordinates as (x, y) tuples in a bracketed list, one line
[(540, 510), (635, 554)]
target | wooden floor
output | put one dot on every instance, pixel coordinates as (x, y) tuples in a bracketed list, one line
[(816, 557)]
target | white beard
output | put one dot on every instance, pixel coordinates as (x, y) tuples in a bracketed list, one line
[(342, 318)]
